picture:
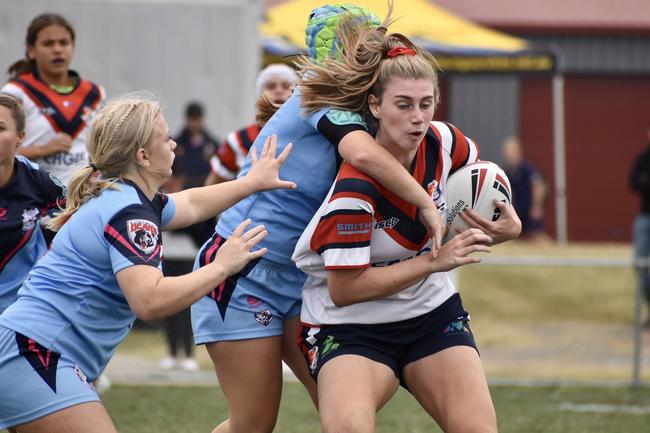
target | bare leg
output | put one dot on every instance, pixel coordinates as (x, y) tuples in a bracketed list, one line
[(451, 386), (351, 389), (88, 417), (294, 358), (250, 376)]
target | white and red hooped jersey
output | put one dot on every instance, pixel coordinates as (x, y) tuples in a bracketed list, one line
[(229, 158), (362, 224), (48, 112)]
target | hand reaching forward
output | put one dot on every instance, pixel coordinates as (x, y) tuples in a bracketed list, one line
[(507, 227), (236, 252), (265, 171)]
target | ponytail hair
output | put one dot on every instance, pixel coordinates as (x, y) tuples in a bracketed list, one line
[(363, 66), (39, 23), (121, 127)]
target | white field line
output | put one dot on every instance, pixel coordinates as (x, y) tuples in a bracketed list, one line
[(605, 408)]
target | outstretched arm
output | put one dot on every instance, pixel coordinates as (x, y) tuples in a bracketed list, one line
[(198, 204), (153, 296)]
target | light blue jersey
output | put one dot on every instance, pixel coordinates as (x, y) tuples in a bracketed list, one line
[(312, 164), (71, 302)]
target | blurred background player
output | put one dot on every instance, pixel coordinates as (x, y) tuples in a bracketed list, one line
[(26, 194), (275, 82), (58, 103), (528, 190), (640, 184), (195, 144)]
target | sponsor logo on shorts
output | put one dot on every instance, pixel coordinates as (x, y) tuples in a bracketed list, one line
[(456, 327), (312, 355), (263, 317), (329, 345), (83, 377)]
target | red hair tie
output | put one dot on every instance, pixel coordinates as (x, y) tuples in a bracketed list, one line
[(400, 51)]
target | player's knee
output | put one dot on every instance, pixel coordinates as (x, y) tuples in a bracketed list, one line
[(253, 423), (473, 426), (347, 424)]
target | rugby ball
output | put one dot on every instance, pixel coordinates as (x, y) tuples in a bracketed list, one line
[(476, 186)]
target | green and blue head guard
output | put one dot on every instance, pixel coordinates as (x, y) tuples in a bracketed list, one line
[(320, 34)]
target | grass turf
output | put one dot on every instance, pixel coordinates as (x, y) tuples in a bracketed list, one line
[(520, 409)]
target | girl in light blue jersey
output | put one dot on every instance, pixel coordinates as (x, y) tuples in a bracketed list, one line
[(249, 322), (104, 268)]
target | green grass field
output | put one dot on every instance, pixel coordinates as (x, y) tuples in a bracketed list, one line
[(520, 410), (531, 323)]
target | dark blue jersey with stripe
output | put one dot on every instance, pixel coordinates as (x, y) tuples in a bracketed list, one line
[(28, 196)]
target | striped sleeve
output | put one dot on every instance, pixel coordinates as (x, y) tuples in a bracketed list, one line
[(462, 149), (342, 236)]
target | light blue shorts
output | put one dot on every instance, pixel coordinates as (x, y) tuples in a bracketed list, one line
[(35, 382), (251, 304)]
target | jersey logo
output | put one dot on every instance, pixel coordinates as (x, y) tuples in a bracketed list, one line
[(143, 234), (30, 216), (387, 224), (436, 195)]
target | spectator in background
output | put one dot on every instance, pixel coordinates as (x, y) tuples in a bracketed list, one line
[(275, 82), (58, 103), (528, 189), (195, 145), (640, 184)]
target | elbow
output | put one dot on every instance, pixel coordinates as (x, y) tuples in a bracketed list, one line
[(360, 159), (147, 312), (339, 299)]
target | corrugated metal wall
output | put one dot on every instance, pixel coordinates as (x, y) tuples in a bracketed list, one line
[(627, 55), (205, 50), (485, 108)]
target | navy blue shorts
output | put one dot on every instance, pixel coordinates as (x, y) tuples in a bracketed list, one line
[(395, 344)]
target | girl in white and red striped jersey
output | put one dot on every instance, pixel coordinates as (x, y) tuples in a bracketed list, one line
[(377, 309)]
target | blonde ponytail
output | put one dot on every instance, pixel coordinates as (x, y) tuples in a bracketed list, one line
[(120, 128), (83, 186)]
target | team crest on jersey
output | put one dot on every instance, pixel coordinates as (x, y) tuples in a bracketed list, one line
[(143, 234), (436, 195), (30, 216), (263, 317)]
